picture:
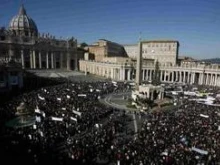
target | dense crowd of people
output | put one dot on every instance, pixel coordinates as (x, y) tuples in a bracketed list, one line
[(72, 126)]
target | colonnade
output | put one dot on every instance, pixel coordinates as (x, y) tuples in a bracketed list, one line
[(178, 74), (190, 77), (36, 59)]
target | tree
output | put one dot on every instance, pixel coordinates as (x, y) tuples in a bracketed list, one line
[(156, 74)]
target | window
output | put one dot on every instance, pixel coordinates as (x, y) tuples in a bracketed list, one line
[(13, 73), (1, 77), (2, 38)]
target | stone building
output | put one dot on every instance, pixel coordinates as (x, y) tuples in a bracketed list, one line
[(23, 43), (11, 76), (165, 51), (195, 73), (104, 48)]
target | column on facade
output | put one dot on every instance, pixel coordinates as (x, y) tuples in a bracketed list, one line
[(68, 60), (31, 59), (112, 73), (180, 76), (61, 60), (34, 59), (192, 78), (168, 78), (216, 79), (184, 76), (151, 72), (47, 60), (177, 74), (143, 74), (206, 79), (164, 76), (129, 74), (122, 70), (210, 79), (55, 60), (22, 58), (200, 79), (188, 77), (213, 79), (161, 75), (40, 60), (173, 76), (76, 60), (52, 60)]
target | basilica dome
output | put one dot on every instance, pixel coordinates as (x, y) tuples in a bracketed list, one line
[(21, 24)]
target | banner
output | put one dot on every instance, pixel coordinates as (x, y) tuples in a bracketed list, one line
[(205, 116), (57, 119), (37, 110), (81, 95), (41, 98), (77, 113), (73, 118), (38, 119), (200, 151)]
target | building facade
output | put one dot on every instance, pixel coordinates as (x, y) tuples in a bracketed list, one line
[(23, 43), (104, 48), (11, 76), (165, 51), (194, 73)]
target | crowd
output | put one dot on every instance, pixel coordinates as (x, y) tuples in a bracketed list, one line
[(73, 127)]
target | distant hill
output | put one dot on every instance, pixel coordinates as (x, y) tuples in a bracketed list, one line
[(212, 60)]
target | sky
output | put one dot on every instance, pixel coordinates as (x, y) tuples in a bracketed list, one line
[(194, 23)]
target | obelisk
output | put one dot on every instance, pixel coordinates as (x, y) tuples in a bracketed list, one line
[(139, 65)]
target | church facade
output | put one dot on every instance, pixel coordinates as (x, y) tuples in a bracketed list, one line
[(22, 42)]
